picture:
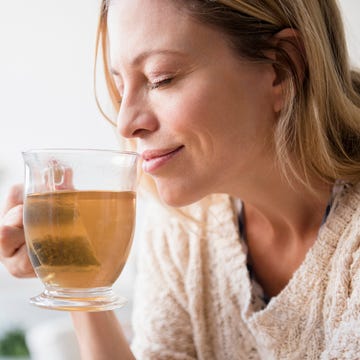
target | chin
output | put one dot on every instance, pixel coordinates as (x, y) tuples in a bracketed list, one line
[(179, 197), (175, 201)]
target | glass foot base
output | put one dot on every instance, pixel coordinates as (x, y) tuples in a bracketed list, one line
[(79, 300)]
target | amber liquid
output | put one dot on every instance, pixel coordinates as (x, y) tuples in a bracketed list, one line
[(79, 239)]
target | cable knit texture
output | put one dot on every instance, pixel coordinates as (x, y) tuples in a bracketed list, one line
[(194, 298)]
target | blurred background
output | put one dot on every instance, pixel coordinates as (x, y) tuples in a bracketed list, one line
[(47, 100)]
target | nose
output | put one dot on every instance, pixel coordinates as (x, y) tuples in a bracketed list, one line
[(136, 119)]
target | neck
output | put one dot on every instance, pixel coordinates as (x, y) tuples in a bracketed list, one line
[(278, 211)]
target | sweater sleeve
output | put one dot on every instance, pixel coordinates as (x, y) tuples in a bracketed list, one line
[(344, 340), (161, 323)]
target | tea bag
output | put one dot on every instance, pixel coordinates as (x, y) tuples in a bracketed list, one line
[(66, 242), (57, 251)]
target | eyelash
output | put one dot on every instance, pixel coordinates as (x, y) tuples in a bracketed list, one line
[(158, 84)]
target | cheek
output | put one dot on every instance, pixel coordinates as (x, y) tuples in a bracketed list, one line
[(209, 120), (194, 111)]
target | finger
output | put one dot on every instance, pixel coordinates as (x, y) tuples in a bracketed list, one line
[(11, 232), (19, 265), (14, 197), (11, 240), (13, 217)]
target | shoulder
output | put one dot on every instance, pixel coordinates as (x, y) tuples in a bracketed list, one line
[(345, 213), (347, 199), (343, 301), (345, 222)]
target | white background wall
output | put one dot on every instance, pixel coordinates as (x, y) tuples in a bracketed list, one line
[(46, 100), (46, 64), (46, 94)]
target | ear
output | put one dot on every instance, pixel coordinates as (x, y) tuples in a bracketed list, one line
[(289, 62)]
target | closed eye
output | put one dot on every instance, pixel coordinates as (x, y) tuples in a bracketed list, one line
[(160, 83)]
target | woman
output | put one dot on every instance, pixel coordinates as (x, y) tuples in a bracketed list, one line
[(246, 113)]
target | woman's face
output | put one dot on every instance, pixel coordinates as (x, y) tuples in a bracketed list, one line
[(201, 116)]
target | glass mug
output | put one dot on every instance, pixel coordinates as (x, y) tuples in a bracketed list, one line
[(79, 219)]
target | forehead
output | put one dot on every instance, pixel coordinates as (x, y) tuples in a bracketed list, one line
[(135, 16), (135, 25)]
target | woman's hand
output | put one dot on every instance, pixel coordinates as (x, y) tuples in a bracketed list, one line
[(13, 252)]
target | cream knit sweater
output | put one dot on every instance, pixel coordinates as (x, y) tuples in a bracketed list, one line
[(194, 298)]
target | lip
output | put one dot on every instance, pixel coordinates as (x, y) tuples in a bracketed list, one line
[(154, 159)]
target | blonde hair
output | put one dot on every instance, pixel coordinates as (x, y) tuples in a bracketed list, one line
[(318, 132)]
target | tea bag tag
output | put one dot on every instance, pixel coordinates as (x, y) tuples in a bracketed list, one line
[(57, 176)]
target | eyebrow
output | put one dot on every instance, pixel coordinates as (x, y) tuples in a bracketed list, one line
[(146, 54)]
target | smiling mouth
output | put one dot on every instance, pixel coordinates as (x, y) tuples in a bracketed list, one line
[(154, 159)]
